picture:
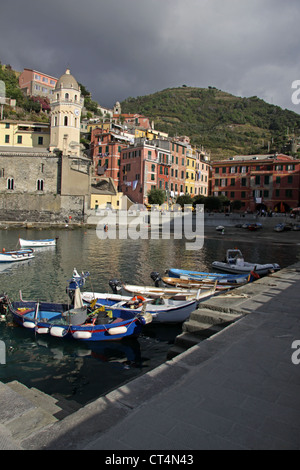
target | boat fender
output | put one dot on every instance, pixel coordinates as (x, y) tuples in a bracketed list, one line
[(82, 334), (117, 330), (58, 331), (146, 318), (42, 331), (29, 324)]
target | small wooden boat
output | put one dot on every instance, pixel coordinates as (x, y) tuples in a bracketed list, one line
[(186, 274), (200, 284), (15, 255), (235, 263), (77, 320), (37, 243), (161, 310), (176, 293)]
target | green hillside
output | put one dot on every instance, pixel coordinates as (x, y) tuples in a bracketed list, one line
[(223, 124)]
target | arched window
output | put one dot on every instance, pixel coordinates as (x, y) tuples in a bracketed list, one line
[(10, 183), (55, 120), (75, 98), (40, 185), (57, 96), (66, 120), (67, 96)]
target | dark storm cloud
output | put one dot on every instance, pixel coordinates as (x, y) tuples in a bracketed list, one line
[(121, 48)]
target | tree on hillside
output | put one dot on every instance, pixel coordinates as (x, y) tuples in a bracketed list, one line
[(9, 77)]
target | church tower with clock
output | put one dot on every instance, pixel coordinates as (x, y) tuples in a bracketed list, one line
[(66, 105)]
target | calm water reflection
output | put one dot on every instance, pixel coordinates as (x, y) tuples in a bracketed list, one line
[(84, 372)]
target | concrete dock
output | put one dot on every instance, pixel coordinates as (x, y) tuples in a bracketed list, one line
[(237, 389)]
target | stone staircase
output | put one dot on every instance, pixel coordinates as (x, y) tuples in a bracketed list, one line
[(26, 411), (202, 323)]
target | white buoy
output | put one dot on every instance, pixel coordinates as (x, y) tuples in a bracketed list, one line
[(29, 324), (118, 330), (58, 331), (42, 331), (82, 334)]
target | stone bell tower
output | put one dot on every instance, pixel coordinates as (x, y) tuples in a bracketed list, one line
[(66, 105)]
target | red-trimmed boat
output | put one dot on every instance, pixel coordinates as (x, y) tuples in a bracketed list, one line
[(74, 320)]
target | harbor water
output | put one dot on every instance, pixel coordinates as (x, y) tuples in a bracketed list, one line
[(84, 371)]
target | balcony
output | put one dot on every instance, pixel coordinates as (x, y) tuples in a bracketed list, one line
[(79, 102)]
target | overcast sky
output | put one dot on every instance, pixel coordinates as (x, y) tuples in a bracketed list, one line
[(122, 48)]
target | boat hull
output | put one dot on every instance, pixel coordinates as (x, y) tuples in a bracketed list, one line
[(157, 292), (246, 268), (37, 243), (16, 256), (49, 320), (170, 311), (199, 284), (185, 274)]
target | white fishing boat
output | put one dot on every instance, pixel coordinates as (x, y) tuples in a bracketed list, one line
[(37, 243), (162, 310), (235, 263), (176, 293), (15, 255)]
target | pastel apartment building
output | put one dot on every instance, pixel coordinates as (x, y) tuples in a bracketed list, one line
[(106, 147), (269, 182), (24, 134), (178, 150), (144, 165), (202, 173), (34, 83)]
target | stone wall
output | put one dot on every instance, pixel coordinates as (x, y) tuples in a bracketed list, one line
[(41, 207), (43, 187), (27, 170)]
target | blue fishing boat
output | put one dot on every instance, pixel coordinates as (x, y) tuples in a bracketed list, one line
[(74, 319), (221, 277)]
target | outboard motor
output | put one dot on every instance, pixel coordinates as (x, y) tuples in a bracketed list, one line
[(155, 276), (115, 285)]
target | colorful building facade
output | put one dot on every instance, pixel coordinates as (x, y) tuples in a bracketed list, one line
[(260, 182), (35, 83), (23, 134), (145, 165)]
